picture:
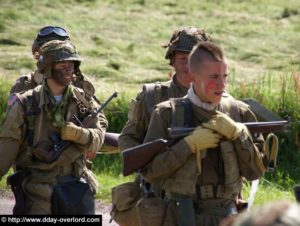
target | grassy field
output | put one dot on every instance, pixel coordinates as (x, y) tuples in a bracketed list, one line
[(119, 40), (119, 44)]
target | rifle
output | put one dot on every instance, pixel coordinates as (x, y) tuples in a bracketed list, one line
[(59, 145), (111, 139), (137, 157)]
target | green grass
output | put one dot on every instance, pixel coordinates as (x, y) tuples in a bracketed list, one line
[(119, 40), (119, 45), (268, 191)]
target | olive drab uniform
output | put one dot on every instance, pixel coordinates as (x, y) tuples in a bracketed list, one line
[(26, 125), (216, 185), (27, 82), (141, 107), (137, 209)]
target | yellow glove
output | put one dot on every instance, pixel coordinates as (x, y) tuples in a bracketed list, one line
[(224, 125), (202, 138), (75, 133)]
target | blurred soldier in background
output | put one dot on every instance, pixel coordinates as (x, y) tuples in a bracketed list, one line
[(280, 213)]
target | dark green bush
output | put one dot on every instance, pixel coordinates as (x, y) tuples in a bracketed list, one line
[(116, 113), (279, 94)]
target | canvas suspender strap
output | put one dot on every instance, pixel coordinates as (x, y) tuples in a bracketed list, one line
[(149, 89), (182, 116), (31, 109), (155, 93), (181, 112)]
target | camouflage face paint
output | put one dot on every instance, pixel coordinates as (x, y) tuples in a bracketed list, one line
[(63, 76), (209, 86)]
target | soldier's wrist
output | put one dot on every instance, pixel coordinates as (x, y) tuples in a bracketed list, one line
[(190, 149), (85, 136)]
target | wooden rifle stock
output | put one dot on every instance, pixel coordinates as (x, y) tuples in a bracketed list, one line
[(111, 139), (137, 157)]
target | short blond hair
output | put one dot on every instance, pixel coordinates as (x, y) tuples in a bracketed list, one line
[(202, 52)]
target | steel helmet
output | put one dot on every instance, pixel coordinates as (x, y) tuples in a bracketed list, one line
[(184, 40), (56, 51)]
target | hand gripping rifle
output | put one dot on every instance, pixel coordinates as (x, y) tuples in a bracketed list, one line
[(137, 157), (60, 145)]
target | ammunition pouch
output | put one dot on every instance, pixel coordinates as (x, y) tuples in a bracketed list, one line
[(72, 196), (124, 200), (151, 211), (15, 181)]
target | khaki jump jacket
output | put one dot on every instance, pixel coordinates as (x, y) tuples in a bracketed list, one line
[(14, 148)]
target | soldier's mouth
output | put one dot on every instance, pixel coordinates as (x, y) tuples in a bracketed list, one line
[(68, 78), (219, 93)]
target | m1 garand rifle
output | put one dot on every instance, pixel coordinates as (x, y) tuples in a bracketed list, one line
[(134, 159), (111, 139), (59, 145)]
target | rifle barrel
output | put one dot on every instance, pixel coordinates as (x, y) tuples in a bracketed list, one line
[(115, 94), (254, 127)]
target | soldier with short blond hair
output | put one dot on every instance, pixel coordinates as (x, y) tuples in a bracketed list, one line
[(202, 173)]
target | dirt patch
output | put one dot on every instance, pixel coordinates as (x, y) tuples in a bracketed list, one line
[(7, 203)]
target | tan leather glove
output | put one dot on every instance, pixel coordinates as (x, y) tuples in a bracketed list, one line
[(75, 133), (202, 138), (224, 125)]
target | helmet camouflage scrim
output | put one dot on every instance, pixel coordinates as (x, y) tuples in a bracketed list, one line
[(184, 40), (56, 51)]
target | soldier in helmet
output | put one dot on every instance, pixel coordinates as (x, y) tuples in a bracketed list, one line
[(27, 138), (133, 134), (179, 47), (35, 78), (202, 173)]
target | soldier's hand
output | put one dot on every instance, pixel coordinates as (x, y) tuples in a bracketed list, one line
[(75, 133), (202, 138), (90, 155), (224, 125)]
